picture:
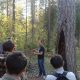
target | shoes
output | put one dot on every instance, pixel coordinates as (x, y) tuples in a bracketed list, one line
[(44, 77)]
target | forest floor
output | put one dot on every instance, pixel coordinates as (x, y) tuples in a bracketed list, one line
[(33, 68), (32, 72)]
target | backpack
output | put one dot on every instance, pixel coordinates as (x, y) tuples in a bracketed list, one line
[(61, 76)]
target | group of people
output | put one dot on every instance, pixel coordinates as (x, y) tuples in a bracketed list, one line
[(16, 64), (56, 61)]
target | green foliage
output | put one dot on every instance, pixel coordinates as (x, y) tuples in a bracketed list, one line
[(40, 25), (20, 26)]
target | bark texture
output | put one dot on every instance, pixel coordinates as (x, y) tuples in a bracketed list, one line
[(13, 19), (33, 17), (66, 33)]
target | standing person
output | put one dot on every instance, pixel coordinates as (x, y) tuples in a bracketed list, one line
[(16, 65), (59, 73), (40, 53)]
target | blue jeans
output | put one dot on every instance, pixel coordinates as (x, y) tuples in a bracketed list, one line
[(41, 67)]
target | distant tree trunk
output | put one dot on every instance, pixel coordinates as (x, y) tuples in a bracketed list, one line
[(26, 28), (7, 13), (33, 17), (66, 33), (45, 13), (7, 8), (49, 25), (13, 28)]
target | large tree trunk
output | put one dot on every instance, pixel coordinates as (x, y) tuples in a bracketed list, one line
[(66, 33)]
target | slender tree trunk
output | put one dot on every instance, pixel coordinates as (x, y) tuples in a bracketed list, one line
[(66, 33), (33, 17), (7, 9), (26, 27), (8, 5), (7, 14), (13, 29), (49, 25)]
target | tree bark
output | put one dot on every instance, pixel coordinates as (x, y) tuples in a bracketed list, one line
[(7, 8), (7, 13), (33, 17), (13, 29), (49, 23), (66, 33), (26, 29)]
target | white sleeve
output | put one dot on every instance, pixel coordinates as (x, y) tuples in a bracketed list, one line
[(71, 76), (0, 78), (50, 77)]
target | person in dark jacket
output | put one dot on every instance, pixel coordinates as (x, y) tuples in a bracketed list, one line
[(40, 53)]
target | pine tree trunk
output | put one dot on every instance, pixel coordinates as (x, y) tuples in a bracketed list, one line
[(7, 14), (13, 29), (66, 33), (33, 17), (26, 30), (7, 8), (49, 21)]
